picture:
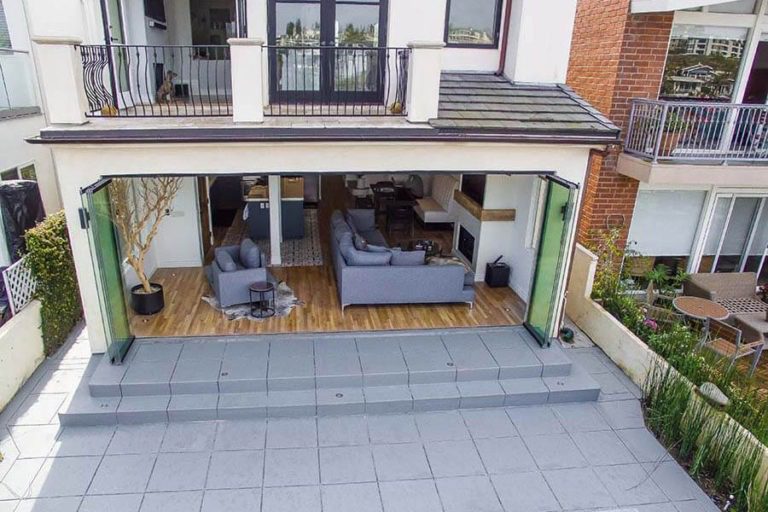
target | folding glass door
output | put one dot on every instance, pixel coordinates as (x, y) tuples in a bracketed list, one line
[(555, 240), (107, 263)]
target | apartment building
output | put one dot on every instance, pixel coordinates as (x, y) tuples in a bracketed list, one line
[(687, 84)]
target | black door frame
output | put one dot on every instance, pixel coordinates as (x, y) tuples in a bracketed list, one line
[(326, 90)]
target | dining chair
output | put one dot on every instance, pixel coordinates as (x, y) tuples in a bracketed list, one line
[(729, 342)]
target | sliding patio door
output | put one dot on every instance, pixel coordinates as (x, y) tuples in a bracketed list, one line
[(555, 240), (107, 263)]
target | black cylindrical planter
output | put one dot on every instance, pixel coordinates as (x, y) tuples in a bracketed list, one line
[(147, 303)]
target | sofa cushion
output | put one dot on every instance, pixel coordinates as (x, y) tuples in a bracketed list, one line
[(225, 262), (340, 230), (351, 222), (250, 254), (355, 258), (408, 258), (337, 218), (360, 243), (362, 219), (377, 248)]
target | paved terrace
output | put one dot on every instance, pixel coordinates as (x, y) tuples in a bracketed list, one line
[(583, 456)]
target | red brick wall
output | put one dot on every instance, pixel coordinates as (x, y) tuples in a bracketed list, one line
[(615, 57)]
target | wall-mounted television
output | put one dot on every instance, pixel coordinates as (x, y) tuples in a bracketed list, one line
[(155, 9), (473, 186)]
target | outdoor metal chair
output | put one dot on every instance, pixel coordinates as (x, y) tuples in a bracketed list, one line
[(729, 342)]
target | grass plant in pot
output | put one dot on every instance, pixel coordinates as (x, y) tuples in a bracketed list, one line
[(138, 207)]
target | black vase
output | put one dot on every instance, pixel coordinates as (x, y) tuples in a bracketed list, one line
[(147, 303)]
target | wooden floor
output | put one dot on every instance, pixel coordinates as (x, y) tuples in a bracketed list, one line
[(185, 314)]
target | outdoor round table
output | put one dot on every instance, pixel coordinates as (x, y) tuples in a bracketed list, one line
[(264, 304), (700, 309)]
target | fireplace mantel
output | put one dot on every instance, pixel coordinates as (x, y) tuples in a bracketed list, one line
[(480, 213)]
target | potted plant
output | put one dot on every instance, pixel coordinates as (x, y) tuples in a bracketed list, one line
[(138, 207), (674, 125)]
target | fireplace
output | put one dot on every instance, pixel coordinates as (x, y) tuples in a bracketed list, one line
[(466, 244)]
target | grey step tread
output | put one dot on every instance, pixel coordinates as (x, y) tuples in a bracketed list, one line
[(84, 409), (159, 368)]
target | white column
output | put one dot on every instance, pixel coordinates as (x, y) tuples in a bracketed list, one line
[(275, 218), (247, 81), (424, 70), (256, 11), (60, 71)]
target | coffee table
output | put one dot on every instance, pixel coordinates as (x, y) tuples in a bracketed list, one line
[(430, 247), (700, 309), (264, 294)]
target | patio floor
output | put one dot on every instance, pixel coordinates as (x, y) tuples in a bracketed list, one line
[(554, 457)]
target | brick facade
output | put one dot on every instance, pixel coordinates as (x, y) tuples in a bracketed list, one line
[(615, 57)]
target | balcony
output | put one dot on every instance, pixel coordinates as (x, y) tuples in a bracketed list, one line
[(138, 81), (17, 85), (679, 143)]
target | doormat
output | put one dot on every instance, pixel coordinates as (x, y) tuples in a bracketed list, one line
[(285, 301), (302, 252)]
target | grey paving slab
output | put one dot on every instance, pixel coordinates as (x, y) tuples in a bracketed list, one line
[(179, 472), (525, 492), (387, 399), (152, 352), (241, 375), (38, 409), (196, 376), (291, 403), (83, 409), (702, 505), (400, 462), (427, 360), (292, 433), (235, 469), (203, 350), (602, 448), (453, 458), (253, 351), (150, 378), (581, 417), (362, 497), (18, 479), (337, 364), (122, 474), (76, 441), (674, 481), (105, 380), (512, 354), (382, 363), (113, 503), (392, 428), (136, 439), (342, 431), (197, 407), (247, 434), (243, 405), (189, 437), (336, 401), (630, 484), (291, 499), (291, 466), (34, 441), (143, 409), (64, 476), (9, 505), (528, 391), (346, 464), (555, 451), (578, 386), (441, 426), (291, 366), (554, 361), (413, 496), (477, 394), (505, 455), (485, 423), (468, 494), (172, 501), (69, 504), (470, 357), (532, 421), (622, 414), (435, 397), (231, 500), (578, 488), (643, 445)]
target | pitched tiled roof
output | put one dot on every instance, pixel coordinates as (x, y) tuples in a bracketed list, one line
[(474, 102)]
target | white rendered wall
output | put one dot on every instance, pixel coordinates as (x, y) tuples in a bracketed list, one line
[(178, 240), (21, 350)]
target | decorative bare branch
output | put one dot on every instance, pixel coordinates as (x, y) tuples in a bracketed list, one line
[(138, 207)]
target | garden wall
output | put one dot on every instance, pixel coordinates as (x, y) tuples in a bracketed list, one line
[(21, 350)]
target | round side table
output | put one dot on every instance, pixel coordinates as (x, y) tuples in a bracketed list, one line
[(700, 309), (262, 298)]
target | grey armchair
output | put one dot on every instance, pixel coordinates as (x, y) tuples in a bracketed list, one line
[(232, 287)]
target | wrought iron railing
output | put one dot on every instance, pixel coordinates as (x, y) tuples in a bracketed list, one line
[(17, 85), (336, 81), (697, 131), (157, 81)]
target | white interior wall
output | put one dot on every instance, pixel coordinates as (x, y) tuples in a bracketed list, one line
[(178, 241)]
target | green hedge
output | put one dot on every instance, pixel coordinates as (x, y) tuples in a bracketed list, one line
[(50, 257)]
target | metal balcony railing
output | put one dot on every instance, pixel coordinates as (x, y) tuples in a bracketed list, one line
[(17, 85), (157, 81), (337, 81), (705, 132)]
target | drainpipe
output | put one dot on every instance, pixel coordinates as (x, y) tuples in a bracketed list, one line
[(504, 38)]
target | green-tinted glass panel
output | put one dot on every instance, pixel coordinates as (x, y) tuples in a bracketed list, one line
[(108, 268), (549, 265)]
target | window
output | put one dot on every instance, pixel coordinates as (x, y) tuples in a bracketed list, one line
[(473, 23), (10, 174), (23, 172), (5, 36)]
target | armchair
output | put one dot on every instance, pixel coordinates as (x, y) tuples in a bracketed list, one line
[(232, 287)]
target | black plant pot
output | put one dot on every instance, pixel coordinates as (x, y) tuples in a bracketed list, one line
[(147, 303)]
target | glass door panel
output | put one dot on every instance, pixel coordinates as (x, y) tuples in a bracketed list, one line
[(734, 245), (755, 258), (737, 238), (544, 304), (107, 264), (356, 28), (716, 227), (297, 69)]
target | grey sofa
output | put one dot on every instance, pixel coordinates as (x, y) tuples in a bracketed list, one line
[(392, 284), (231, 287)]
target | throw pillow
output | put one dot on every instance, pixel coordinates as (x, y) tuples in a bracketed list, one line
[(362, 219), (351, 222), (337, 218), (340, 230), (360, 243), (225, 262), (408, 258), (250, 254), (357, 258)]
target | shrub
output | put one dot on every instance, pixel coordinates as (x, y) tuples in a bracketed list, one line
[(50, 258)]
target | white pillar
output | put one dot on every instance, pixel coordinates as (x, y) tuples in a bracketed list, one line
[(256, 12), (247, 81), (60, 71), (275, 218), (424, 70)]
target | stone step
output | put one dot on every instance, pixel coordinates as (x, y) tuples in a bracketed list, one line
[(234, 365), (84, 409)]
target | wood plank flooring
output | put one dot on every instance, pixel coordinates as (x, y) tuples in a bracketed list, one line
[(185, 314)]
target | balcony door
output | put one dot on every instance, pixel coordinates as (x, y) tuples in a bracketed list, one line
[(327, 50)]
